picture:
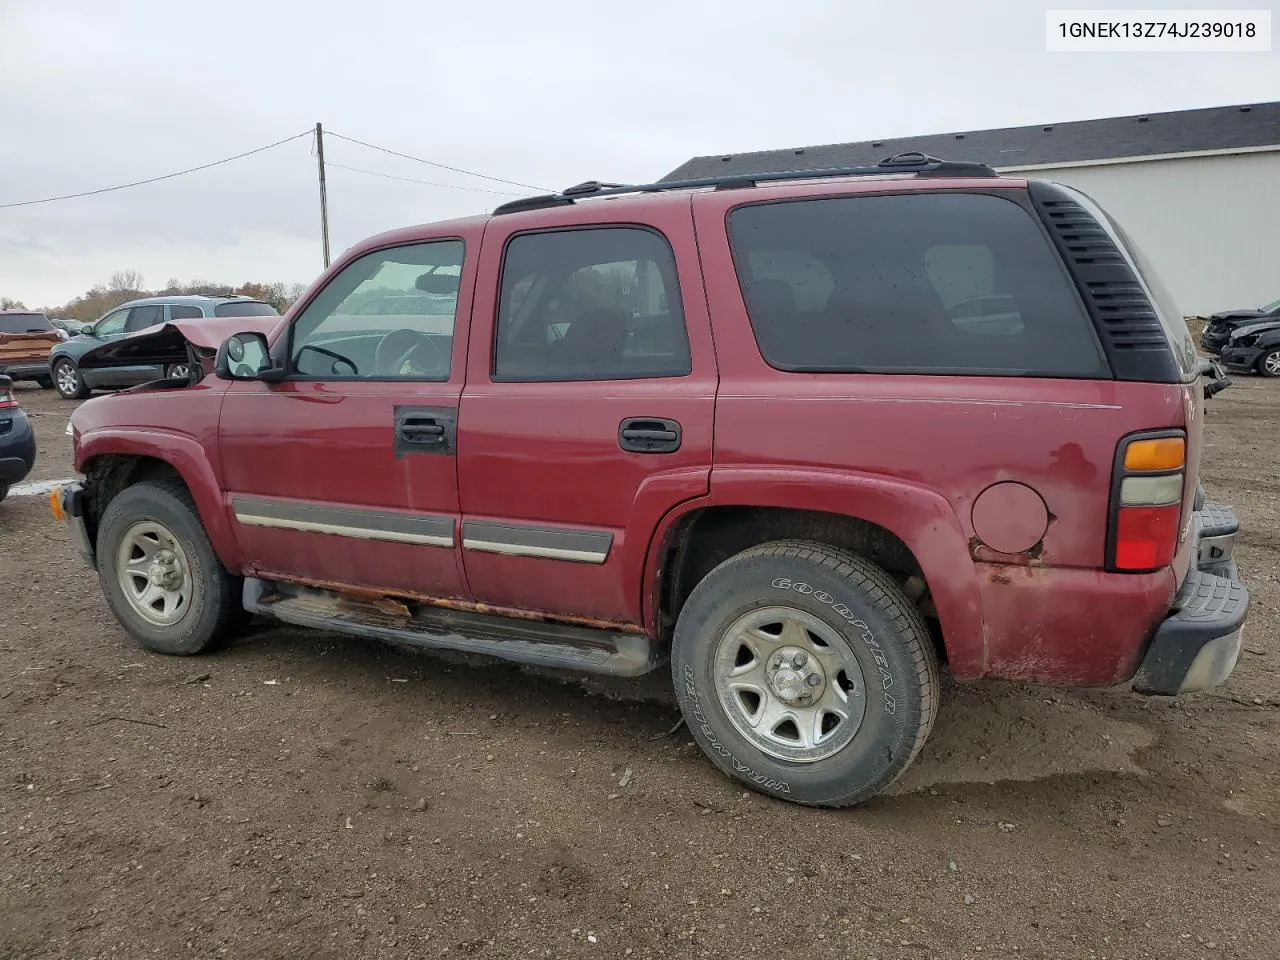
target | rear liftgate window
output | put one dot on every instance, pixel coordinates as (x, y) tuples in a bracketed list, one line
[(913, 283)]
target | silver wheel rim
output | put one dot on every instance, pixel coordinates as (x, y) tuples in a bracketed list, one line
[(154, 573), (68, 379), (179, 371), (790, 684), (1272, 363)]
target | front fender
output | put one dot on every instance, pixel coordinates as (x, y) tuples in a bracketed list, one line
[(186, 455), (921, 518)]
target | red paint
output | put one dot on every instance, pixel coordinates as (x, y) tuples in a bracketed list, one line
[(913, 454), (1009, 517)]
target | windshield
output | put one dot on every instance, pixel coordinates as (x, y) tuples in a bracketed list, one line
[(245, 308), (24, 323), (1272, 306)]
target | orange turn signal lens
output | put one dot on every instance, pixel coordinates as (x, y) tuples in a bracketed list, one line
[(55, 505), (1166, 453)]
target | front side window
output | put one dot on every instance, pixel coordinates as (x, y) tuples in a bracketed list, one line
[(913, 283), (388, 315), (112, 324), (590, 304)]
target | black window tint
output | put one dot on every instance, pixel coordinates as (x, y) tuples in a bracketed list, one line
[(913, 283), (179, 311), (24, 323), (142, 317), (245, 308), (591, 304)]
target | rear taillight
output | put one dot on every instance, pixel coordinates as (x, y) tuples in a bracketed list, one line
[(1146, 501), (6, 398)]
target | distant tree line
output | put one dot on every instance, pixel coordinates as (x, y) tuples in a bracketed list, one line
[(126, 285)]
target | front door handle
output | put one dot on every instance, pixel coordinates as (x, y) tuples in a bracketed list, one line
[(425, 430), (649, 435)]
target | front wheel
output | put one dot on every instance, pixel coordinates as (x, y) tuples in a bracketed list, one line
[(805, 672), (1269, 363), (159, 573), (68, 381)]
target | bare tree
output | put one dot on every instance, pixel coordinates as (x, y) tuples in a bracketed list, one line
[(7, 303), (125, 280)]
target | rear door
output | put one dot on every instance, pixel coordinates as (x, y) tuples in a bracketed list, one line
[(588, 408), (344, 474)]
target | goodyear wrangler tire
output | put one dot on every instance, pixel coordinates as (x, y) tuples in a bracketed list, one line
[(805, 672)]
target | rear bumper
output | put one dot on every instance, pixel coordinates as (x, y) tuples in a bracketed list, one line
[(17, 448), (1197, 645), (26, 371), (69, 503)]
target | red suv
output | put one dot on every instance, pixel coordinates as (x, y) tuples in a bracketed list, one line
[(804, 435)]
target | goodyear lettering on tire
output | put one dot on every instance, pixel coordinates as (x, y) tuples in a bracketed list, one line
[(868, 637), (763, 780)]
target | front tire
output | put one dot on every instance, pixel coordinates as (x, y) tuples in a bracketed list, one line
[(159, 573), (804, 672), (68, 380), (1269, 363)]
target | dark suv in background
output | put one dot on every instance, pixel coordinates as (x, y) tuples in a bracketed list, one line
[(74, 382)]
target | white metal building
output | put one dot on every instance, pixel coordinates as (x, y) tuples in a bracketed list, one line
[(1198, 190)]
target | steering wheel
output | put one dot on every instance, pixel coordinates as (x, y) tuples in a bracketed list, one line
[(409, 353)]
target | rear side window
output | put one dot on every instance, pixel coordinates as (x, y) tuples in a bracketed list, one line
[(24, 323), (911, 283), (590, 304), (245, 308), (180, 311)]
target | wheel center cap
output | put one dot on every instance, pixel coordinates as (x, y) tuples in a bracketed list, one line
[(794, 677)]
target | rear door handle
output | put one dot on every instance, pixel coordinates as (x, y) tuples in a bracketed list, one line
[(649, 435), (425, 430)]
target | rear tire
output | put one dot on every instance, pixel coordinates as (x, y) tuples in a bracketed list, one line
[(791, 620), (159, 573), (1269, 363)]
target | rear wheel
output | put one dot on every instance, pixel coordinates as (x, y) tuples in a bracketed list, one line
[(159, 573), (1269, 363), (68, 381), (806, 673)]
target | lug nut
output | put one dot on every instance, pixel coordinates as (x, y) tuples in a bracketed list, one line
[(806, 699), (814, 680), (777, 661), (800, 659)]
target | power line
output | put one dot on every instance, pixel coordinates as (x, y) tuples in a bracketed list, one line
[(167, 176), (433, 163), (428, 183)]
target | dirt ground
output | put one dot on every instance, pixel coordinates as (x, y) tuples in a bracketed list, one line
[(306, 795)]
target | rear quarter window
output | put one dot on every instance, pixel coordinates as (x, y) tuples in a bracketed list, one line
[(912, 283), (245, 308)]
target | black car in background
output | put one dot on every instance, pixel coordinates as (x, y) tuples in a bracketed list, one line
[(1220, 326), (17, 440)]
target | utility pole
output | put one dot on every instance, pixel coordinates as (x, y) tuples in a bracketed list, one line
[(324, 197)]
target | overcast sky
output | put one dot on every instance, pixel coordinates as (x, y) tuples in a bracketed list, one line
[(547, 93)]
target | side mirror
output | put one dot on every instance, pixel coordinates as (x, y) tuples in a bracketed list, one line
[(245, 356)]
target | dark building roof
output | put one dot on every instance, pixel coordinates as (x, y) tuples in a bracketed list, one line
[(1181, 131)]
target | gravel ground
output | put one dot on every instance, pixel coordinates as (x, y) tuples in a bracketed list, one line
[(306, 795)]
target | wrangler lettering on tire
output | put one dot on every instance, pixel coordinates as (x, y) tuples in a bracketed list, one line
[(804, 672)]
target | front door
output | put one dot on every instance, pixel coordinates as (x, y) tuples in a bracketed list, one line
[(344, 473), (588, 409)]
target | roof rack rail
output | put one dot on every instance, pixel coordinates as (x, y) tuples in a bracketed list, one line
[(920, 164)]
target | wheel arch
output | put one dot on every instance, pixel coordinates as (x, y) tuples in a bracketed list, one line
[(910, 531), (115, 461)]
